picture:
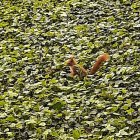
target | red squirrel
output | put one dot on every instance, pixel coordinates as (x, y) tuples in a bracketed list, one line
[(73, 67), (83, 72)]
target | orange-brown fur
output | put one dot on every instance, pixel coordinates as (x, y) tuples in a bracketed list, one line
[(73, 64), (102, 58)]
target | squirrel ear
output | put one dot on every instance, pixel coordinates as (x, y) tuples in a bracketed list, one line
[(72, 57), (71, 61)]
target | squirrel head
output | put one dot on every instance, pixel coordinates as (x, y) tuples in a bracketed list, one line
[(71, 61)]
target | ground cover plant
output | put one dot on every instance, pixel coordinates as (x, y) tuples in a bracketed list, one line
[(38, 98)]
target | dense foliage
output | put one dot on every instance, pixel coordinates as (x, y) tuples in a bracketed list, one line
[(38, 98)]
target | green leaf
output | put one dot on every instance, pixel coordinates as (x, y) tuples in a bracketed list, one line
[(57, 105), (110, 128), (3, 24), (11, 118), (125, 106), (12, 94), (2, 103), (122, 132), (46, 132), (76, 133), (130, 111), (42, 124)]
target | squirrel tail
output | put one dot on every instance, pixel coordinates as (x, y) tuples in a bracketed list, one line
[(102, 58)]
